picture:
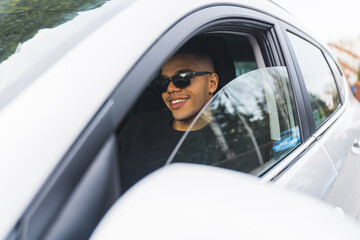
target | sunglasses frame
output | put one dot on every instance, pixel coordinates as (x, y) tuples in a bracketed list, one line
[(180, 80)]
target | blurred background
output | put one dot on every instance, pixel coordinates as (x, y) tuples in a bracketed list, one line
[(335, 23)]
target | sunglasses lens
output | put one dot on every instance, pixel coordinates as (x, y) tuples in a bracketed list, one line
[(161, 84), (181, 81)]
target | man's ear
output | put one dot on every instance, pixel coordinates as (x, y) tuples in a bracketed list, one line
[(213, 82)]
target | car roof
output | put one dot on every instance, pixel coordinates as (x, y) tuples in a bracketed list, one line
[(39, 126)]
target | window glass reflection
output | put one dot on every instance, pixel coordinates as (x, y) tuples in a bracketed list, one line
[(318, 79), (337, 74), (251, 124), (33, 34)]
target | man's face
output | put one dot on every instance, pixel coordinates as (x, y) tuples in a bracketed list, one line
[(185, 103)]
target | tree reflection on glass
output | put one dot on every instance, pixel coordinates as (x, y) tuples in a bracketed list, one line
[(324, 105), (20, 20), (248, 121), (318, 78)]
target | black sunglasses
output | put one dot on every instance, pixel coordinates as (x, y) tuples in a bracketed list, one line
[(180, 80)]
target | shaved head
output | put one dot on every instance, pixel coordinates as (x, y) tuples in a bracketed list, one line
[(196, 48)]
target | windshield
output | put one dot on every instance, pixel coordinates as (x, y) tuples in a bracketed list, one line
[(34, 34), (251, 124)]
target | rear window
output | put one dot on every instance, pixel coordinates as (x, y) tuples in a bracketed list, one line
[(318, 78)]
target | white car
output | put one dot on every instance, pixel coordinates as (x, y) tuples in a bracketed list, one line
[(72, 74)]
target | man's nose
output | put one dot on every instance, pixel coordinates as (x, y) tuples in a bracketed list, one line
[(172, 88)]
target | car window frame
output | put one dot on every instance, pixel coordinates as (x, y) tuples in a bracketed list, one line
[(286, 28), (338, 79), (277, 48)]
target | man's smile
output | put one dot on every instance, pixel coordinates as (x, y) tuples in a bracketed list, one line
[(177, 102)]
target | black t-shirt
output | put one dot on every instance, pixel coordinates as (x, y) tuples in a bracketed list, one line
[(145, 143), (147, 140)]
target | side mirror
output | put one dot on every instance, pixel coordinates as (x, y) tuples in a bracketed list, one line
[(188, 201)]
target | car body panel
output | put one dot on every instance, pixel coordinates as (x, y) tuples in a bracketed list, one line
[(340, 142), (304, 176), (344, 192)]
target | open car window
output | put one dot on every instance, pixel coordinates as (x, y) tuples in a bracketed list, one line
[(148, 135), (249, 125)]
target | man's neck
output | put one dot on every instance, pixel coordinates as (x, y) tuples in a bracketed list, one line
[(201, 122), (181, 125)]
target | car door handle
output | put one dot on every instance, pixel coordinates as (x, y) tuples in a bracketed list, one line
[(356, 146)]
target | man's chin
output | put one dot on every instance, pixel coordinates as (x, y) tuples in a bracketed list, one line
[(183, 119)]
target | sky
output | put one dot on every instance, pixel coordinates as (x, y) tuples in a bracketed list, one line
[(329, 20)]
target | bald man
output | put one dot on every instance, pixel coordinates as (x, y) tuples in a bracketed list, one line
[(186, 84)]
